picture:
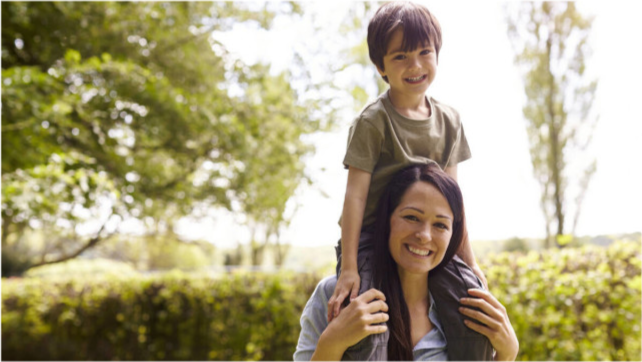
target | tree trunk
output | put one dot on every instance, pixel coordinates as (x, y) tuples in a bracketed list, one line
[(5, 230), (555, 154), (281, 251)]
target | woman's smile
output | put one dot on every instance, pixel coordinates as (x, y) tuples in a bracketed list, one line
[(420, 252)]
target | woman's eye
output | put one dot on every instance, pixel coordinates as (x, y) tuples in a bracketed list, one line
[(441, 226), (411, 218)]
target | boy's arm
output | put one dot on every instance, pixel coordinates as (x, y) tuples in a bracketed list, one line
[(465, 251), (451, 171), (353, 209)]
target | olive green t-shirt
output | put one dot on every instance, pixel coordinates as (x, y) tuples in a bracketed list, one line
[(382, 141)]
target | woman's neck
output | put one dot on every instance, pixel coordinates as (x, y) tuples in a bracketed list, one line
[(415, 289), (415, 292)]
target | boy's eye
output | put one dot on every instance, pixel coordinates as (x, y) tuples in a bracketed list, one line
[(400, 57), (425, 52)]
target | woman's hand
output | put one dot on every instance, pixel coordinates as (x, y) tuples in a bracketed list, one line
[(357, 321), (494, 323)]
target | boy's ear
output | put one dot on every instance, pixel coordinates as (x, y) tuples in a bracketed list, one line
[(381, 72)]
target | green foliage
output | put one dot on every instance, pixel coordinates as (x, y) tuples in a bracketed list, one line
[(134, 106), (572, 304), (171, 317), (551, 44), (516, 244)]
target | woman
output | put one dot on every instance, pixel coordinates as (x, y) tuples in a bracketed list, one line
[(420, 226)]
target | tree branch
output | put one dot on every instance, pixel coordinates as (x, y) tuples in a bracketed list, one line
[(91, 243)]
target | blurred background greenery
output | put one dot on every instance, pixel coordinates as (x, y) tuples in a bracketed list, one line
[(118, 113)]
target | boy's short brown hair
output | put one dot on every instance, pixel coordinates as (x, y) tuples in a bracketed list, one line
[(419, 26)]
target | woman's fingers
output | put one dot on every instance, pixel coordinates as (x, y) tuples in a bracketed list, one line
[(480, 328), (481, 317), (376, 306), (377, 329), (375, 318), (364, 316), (486, 295), (493, 323), (482, 304), (372, 294), (373, 300), (373, 308)]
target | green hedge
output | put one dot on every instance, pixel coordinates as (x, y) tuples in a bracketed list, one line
[(573, 304), (172, 317)]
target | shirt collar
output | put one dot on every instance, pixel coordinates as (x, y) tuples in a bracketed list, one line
[(436, 337)]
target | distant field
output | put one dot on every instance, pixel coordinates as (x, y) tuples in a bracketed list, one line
[(320, 259)]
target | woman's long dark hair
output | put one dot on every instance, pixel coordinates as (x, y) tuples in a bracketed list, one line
[(385, 274)]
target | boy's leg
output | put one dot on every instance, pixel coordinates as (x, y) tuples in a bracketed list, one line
[(375, 346), (447, 286)]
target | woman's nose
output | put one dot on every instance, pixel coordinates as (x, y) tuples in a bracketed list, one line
[(424, 235)]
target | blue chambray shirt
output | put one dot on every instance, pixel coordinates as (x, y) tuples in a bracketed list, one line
[(432, 347)]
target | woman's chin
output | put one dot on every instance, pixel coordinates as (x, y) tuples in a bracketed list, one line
[(418, 264), (416, 268)]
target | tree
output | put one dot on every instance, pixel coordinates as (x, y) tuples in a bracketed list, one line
[(550, 40), (132, 110)]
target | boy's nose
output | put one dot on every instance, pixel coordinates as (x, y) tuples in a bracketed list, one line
[(414, 63)]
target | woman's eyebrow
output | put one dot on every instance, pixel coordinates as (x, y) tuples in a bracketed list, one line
[(422, 212), (413, 208)]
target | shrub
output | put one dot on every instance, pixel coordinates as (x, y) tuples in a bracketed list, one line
[(171, 317), (572, 304), (569, 304)]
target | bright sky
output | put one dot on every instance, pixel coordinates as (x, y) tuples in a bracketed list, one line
[(476, 75)]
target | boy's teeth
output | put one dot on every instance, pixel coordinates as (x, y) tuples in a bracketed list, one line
[(415, 79), (418, 251)]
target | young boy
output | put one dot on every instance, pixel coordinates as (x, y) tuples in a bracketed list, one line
[(401, 127)]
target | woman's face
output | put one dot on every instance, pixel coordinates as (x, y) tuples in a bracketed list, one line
[(420, 229)]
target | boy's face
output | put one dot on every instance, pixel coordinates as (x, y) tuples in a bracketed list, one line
[(409, 73)]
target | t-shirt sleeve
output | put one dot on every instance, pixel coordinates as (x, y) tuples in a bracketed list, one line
[(364, 146), (314, 320), (461, 150)]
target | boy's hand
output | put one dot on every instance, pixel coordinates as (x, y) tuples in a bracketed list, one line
[(347, 285), (480, 274)]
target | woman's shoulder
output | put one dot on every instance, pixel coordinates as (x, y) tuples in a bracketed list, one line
[(325, 288), (318, 302), (314, 319)]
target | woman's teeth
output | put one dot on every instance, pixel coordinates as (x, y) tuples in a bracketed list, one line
[(418, 251)]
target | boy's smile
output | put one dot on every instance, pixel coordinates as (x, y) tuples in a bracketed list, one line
[(409, 73)]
